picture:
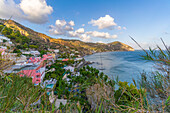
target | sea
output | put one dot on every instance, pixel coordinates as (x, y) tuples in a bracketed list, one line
[(126, 65)]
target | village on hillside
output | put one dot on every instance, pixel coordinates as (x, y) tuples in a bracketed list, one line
[(37, 66)]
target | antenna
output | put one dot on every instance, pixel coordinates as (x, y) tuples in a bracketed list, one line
[(101, 65), (5, 25), (101, 62)]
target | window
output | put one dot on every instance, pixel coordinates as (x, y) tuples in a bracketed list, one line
[(37, 80), (37, 76), (38, 71)]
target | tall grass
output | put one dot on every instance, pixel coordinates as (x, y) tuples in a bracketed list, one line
[(18, 94)]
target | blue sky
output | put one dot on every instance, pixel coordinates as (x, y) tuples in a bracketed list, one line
[(145, 20)]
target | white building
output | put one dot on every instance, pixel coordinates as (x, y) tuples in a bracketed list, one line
[(72, 54), (35, 53), (77, 59), (76, 52), (26, 52), (1, 41), (69, 68), (56, 50), (21, 59), (3, 47), (5, 38)]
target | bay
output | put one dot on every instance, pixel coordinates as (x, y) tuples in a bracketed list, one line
[(127, 65)]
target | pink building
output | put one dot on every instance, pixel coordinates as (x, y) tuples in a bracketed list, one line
[(37, 70), (2, 51)]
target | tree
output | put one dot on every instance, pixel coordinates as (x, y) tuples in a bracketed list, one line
[(25, 45), (33, 46), (4, 40), (42, 52), (17, 51), (8, 47)]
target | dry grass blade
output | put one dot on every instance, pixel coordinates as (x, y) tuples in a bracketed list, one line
[(139, 45), (165, 45)]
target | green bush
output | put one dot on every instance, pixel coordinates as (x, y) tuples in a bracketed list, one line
[(33, 46), (129, 95), (18, 93)]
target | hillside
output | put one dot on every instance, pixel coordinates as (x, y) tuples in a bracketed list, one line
[(44, 42)]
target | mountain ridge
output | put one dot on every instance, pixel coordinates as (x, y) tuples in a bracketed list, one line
[(45, 42)]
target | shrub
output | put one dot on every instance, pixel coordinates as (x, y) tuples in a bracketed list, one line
[(33, 46)]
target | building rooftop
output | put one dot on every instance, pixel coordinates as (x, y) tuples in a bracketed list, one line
[(30, 67), (3, 37)]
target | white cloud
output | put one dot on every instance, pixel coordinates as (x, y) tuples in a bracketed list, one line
[(61, 27), (72, 34), (100, 42), (83, 25), (9, 8), (124, 28), (80, 34), (65, 29), (35, 11), (85, 38), (97, 34), (68, 28), (80, 30), (104, 22), (71, 23), (119, 27), (60, 23)]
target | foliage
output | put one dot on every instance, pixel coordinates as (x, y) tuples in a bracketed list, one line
[(129, 96), (22, 41), (158, 83), (4, 40), (25, 45), (57, 73), (16, 51), (42, 52), (19, 53), (33, 46), (18, 94), (78, 85), (5, 62)]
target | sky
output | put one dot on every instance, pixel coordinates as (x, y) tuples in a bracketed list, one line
[(102, 21)]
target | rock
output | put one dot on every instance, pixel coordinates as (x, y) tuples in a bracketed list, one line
[(97, 94)]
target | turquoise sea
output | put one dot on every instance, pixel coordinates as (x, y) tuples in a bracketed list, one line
[(126, 65)]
